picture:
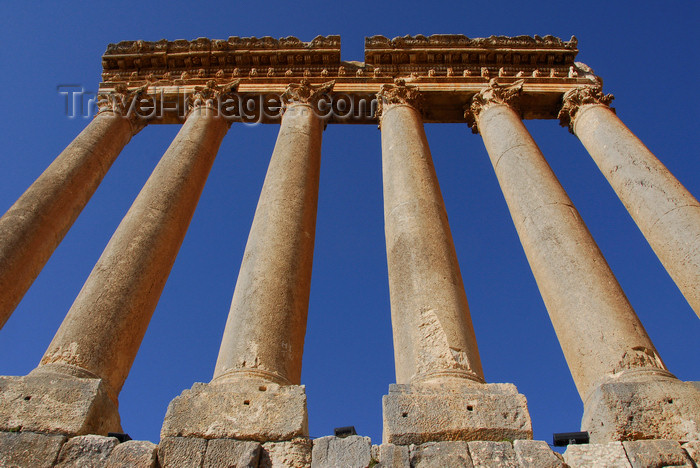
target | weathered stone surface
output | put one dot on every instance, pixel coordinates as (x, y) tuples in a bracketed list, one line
[(56, 403), (37, 222), (242, 411), (87, 451), (392, 456), (663, 408), (440, 454), (653, 453), (536, 454), (103, 329), (666, 212), (29, 450), (295, 453), (432, 328), (134, 454), (487, 454), (693, 450), (415, 414), (181, 452), (347, 452), (610, 455), (232, 453), (266, 326)]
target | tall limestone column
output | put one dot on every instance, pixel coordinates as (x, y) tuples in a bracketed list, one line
[(627, 391), (666, 213), (438, 369), (74, 389), (256, 391), (33, 227)]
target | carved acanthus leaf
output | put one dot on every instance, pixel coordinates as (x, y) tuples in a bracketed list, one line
[(398, 94), (576, 98), (120, 100), (211, 93), (494, 94), (124, 102), (305, 93)]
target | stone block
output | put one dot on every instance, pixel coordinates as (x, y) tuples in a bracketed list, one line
[(88, 451), (29, 450), (134, 453), (611, 455), (392, 456), (56, 404), (693, 450), (268, 412), (181, 452), (536, 454), (663, 408), (232, 453), (488, 454), (440, 454), (661, 453), (415, 414), (295, 453), (341, 452)]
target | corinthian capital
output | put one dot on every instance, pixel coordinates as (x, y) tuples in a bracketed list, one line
[(211, 93), (124, 102), (576, 98), (398, 94), (305, 93), (494, 94)]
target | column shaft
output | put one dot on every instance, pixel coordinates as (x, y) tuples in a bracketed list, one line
[(666, 213), (433, 333), (438, 369), (597, 328), (626, 389), (103, 330), (33, 227), (264, 334)]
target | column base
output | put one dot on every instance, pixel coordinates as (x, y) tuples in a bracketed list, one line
[(57, 404), (656, 408), (415, 414), (242, 410)]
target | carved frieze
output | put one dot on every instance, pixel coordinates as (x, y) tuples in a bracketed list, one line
[(494, 94), (574, 99), (398, 94)]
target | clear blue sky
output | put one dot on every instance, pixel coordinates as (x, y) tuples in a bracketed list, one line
[(646, 52)]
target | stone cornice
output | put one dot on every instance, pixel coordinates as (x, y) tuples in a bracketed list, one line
[(462, 41), (171, 61), (398, 94), (578, 97), (494, 94), (459, 55)]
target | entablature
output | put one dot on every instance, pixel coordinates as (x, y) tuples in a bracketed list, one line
[(448, 70)]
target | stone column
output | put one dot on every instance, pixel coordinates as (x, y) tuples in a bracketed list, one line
[(627, 391), (438, 369), (74, 389), (666, 213), (33, 227), (256, 391)]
